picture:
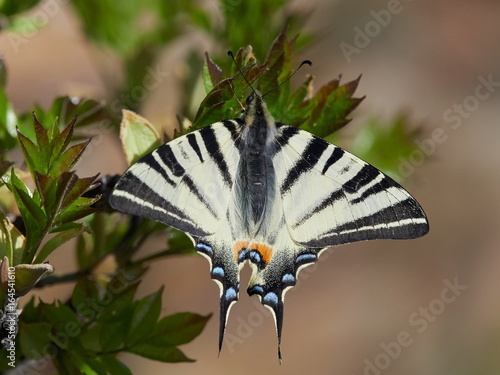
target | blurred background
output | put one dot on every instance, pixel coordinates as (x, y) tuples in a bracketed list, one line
[(426, 306)]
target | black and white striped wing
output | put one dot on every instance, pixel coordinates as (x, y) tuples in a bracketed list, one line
[(185, 183), (331, 197)]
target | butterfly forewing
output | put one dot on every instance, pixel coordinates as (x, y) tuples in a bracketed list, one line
[(185, 183)]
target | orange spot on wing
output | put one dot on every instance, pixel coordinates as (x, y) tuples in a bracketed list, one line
[(238, 246), (265, 251)]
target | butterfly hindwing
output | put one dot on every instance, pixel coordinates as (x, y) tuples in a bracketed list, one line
[(224, 270)]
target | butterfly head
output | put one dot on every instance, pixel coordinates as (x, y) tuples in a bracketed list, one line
[(256, 112)]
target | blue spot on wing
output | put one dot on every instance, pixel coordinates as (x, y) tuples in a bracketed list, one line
[(218, 272), (256, 289), (288, 279), (306, 258), (242, 256), (255, 257), (204, 249), (230, 294), (271, 299)]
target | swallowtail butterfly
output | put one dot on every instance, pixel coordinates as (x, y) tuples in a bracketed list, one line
[(253, 189)]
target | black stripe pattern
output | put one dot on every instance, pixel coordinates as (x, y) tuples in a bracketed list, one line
[(308, 160), (194, 145), (213, 148)]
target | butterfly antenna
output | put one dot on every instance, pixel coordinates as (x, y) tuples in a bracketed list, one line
[(308, 62), (230, 53)]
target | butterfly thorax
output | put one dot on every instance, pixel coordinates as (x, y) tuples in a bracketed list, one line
[(256, 178)]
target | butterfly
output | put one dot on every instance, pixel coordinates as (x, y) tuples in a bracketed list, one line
[(251, 189)]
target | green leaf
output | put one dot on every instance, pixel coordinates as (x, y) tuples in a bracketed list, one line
[(64, 322), (30, 210), (78, 188), (297, 108), (68, 158), (113, 365), (12, 242), (330, 107), (60, 142), (139, 137), (62, 114), (177, 329), (163, 354), (113, 335), (212, 109), (54, 191), (28, 275), (59, 239), (78, 210), (122, 296), (34, 339), (42, 140), (84, 293), (146, 313), (32, 154)]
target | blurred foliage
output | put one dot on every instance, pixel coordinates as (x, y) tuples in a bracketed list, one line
[(11, 8), (385, 143), (44, 203), (139, 31)]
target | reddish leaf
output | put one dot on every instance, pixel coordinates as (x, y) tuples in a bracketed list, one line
[(69, 158), (65, 183), (42, 138), (214, 71), (62, 141), (80, 186), (43, 183)]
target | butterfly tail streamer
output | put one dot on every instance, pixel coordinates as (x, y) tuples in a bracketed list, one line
[(224, 271), (226, 301)]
